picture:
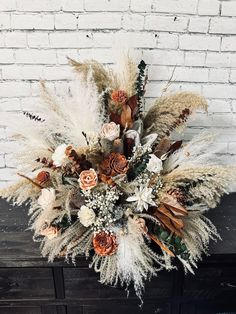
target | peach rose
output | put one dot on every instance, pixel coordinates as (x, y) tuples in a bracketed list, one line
[(88, 179)]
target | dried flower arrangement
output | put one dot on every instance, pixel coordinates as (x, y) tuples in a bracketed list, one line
[(104, 179)]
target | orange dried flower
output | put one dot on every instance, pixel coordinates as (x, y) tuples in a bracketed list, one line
[(88, 179), (104, 243), (43, 177), (119, 96), (113, 165)]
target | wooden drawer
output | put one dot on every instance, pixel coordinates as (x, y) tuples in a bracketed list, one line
[(26, 283), (216, 283), (124, 307), (82, 283)]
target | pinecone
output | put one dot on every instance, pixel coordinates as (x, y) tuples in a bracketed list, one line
[(178, 194)]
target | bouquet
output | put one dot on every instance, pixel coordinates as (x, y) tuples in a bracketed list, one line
[(103, 178)]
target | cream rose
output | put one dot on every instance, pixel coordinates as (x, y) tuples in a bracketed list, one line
[(47, 199), (110, 131), (59, 155), (86, 216)]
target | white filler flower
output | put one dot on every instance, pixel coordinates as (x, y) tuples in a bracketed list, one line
[(47, 199), (86, 216), (59, 155), (143, 196), (154, 164)]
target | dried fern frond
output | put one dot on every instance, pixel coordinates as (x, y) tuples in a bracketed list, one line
[(103, 78), (203, 184), (171, 112)]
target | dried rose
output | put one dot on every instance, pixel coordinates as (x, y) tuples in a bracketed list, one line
[(119, 96), (86, 216), (43, 177), (88, 179), (110, 131), (104, 243), (113, 165), (49, 231)]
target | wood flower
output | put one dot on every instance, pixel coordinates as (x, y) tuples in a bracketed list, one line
[(88, 179), (43, 177), (115, 164), (104, 243)]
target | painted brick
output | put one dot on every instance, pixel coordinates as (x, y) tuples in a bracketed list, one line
[(172, 6), (141, 6), (199, 42), (208, 7), (9, 5), (6, 56), (228, 43), (165, 41), (10, 104), (34, 56), (72, 5), (19, 88), (15, 39), (219, 75), (223, 26), (5, 21), (99, 21), (106, 5), (71, 40), (195, 58), (198, 24), (65, 21), (191, 74), (164, 57), (219, 91), (2, 161), (228, 8), (233, 76), (215, 59), (38, 6), (38, 40), (216, 105), (133, 21), (32, 21), (166, 23)]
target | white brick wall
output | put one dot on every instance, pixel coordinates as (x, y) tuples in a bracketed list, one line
[(196, 37)]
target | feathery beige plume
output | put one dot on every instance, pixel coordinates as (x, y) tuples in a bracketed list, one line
[(103, 78), (204, 184), (171, 112)]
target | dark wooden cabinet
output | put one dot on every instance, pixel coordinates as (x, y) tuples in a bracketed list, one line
[(29, 285)]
